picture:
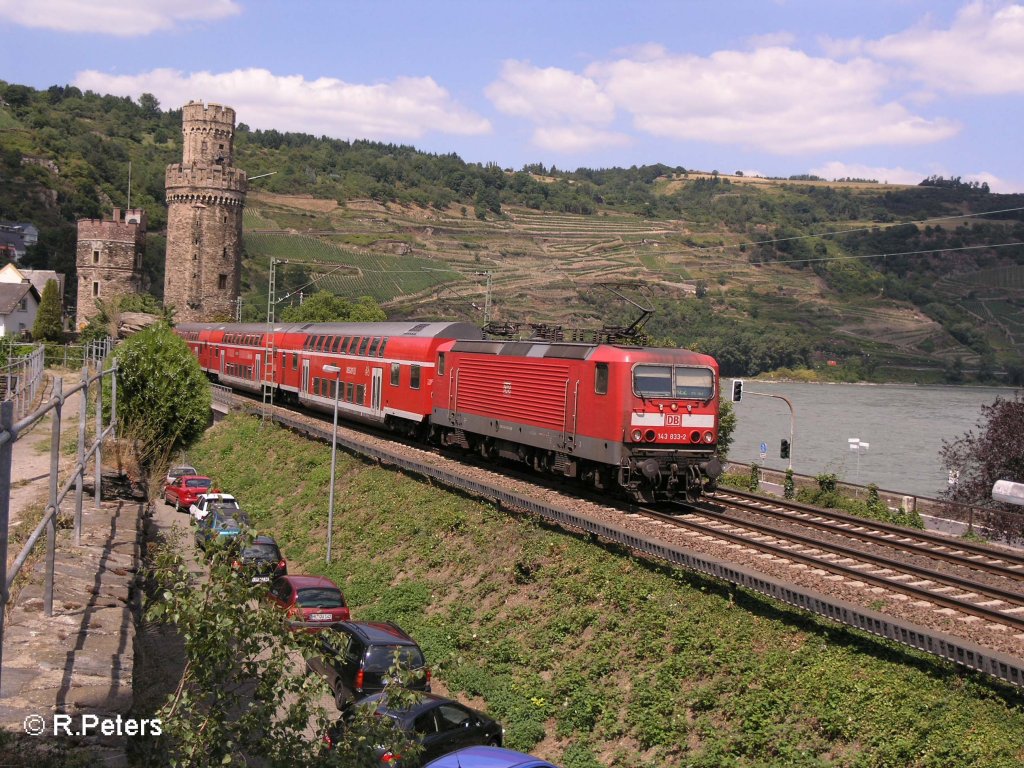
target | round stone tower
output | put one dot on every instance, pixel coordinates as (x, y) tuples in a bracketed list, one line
[(205, 198)]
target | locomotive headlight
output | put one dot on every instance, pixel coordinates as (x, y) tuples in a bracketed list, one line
[(709, 437), (649, 435), (637, 435), (675, 406)]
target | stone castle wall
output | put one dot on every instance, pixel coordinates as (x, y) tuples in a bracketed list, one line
[(109, 259), (205, 200)]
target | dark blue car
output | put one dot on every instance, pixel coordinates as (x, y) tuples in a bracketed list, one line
[(488, 757), (219, 525)]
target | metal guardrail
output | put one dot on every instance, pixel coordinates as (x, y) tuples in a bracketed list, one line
[(948, 647), (10, 431)]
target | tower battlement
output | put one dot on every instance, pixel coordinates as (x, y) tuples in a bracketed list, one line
[(204, 178), (208, 133)]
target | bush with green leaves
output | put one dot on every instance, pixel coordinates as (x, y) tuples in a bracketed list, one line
[(163, 399), (243, 694)]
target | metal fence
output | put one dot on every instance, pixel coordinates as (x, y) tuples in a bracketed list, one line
[(91, 385), (21, 380)]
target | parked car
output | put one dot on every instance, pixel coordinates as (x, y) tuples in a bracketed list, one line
[(183, 492), (358, 657), (261, 560), (440, 726), (223, 502), (488, 757), (175, 472), (220, 526), (309, 602)]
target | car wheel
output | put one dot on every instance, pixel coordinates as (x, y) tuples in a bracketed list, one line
[(495, 742), (342, 699), (167, 500)]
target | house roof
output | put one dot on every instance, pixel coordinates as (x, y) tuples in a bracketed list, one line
[(40, 277), (11, 295)]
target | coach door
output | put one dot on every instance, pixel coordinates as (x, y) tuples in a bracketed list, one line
[(223, 355), (375, 388), (304, 390)]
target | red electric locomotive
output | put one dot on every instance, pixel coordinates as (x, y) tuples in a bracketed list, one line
[(643, 420), (637, 419)]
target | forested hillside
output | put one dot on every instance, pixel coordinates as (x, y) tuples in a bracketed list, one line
[(881, 281)]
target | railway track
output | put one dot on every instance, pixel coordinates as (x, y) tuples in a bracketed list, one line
[(945, 590), (1003, 563)]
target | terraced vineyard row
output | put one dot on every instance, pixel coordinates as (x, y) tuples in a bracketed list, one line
[(382, 276)]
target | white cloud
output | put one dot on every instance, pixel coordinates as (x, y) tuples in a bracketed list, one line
[(577, 138), (898, 175), (982, 52), (548, 93), (403, 109), (771, 40), (774, 99), (121, 19)]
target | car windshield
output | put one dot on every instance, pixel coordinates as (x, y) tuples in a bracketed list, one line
[(261, 551), (179, 471), (674, 381), (320, 597), (380, 658), (226, 524), (198, 482), (224, 506)]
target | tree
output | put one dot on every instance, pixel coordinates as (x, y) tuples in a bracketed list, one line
[(994, 452), (47, 326), (244, 695), (163, 400), (726, 426), (324, 307)]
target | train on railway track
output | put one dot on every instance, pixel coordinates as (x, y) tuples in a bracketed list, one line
[(638, 421)]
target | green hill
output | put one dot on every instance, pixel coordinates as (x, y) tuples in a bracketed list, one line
[(885, 281)]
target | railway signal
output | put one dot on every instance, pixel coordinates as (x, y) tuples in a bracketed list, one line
[(784, 449), (737, 390)]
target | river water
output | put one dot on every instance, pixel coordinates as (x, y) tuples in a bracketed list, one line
[(904, 427)]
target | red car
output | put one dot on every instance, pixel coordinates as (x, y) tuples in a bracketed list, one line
[(185, 490), (309, 602)]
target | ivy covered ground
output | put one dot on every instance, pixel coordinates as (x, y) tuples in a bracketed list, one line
[(591, 657)]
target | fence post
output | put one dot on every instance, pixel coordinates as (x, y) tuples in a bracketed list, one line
[(6, 454), (83, 415), (51, 528), (99, 432)]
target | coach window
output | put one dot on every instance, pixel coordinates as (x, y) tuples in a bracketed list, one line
[(414, 377), (601, 379), (440, 363), (395, 373), (362, 345), (373, 346), (383, 343), (360, 392), (346, 342), (335, 343), (348, 391), (295, 361), (316, 385)]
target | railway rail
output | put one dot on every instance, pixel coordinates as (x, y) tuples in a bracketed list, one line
[(1003, 606), (647, 538)]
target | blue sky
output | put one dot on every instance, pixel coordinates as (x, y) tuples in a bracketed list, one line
[(895, 90)]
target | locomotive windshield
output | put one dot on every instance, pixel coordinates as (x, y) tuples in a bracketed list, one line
[(673, 381)]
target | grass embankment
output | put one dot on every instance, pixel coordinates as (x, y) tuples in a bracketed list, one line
[(592, 657)]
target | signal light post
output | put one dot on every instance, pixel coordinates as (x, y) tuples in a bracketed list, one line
[(786, 448)]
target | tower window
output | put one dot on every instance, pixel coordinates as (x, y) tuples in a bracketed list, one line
[(95, 288), (225, 252), (222, 282), (95, 255)]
